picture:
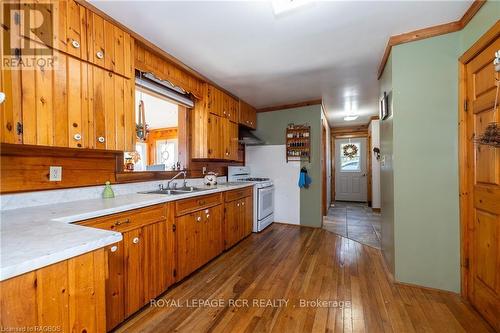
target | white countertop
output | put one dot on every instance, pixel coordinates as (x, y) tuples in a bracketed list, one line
[(36, 237)]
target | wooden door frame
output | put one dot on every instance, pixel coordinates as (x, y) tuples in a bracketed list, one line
[(360, 131), (465, 185)]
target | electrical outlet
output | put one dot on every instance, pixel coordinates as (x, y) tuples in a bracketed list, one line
[(55, 173)]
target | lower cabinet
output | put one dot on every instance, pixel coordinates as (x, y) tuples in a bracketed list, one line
[(238, 219), (142, 265), (67, 296), (199, 238)]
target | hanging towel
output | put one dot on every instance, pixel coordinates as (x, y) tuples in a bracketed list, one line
[(304, 179)]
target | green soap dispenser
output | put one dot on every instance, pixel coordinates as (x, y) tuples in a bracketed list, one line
[(108, 191)]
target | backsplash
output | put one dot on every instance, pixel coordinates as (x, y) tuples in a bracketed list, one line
[(40, 198)]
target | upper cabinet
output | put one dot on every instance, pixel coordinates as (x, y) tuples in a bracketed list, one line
[(109, 46), (77, 100), (221, 104), (248, 115)]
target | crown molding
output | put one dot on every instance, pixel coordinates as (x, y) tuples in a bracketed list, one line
[(429, 32)]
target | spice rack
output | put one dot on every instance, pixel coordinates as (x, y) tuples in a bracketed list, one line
[(298, 143)]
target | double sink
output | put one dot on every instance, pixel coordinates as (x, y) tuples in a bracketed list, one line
[(180, 190)]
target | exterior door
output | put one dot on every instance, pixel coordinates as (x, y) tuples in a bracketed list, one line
[(482, 234), (350, 170)]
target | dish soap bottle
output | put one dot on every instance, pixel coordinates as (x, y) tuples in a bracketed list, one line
[(108, 191)]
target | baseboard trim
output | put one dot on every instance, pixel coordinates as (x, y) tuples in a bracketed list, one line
[(412, 285)]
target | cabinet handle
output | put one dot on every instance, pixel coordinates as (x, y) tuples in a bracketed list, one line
[(208, 215), (114, 248), (135, 240), (77, 137), (99, 54), (119, 222), (75, 44), (238, 204), (243, 204), (101, 139), (198, 219)]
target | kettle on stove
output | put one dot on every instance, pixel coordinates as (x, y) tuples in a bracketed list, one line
[(210, 178)]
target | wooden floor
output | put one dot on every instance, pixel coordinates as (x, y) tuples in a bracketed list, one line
[(293, 263)]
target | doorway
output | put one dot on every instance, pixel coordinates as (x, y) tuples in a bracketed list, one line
[(351, 170)]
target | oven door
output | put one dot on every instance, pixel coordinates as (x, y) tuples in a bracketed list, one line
[(265, 202)]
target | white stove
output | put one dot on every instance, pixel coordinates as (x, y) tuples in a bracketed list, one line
[(263, 195)]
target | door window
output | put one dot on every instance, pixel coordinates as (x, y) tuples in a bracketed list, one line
[(350, 157)]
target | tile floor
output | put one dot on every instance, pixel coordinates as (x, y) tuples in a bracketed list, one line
[(355, 221)]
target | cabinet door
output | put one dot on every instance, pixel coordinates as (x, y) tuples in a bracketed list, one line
[(213, 229), (134, 278), (229, 108), (112, 117), (215, 148), (55, 104), (109, 46), (159, 258), (188, 243), (11, 109), (231, 223), (214, 100), (115, 288), (70, 34), (248, 115), (229, 139)]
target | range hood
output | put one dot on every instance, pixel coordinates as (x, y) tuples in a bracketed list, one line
[(248, 138)]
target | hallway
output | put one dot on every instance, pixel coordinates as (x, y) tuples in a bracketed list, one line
[(355, 221)]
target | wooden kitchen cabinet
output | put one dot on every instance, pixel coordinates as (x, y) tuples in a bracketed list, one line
[(68, 295), (215, 100), (238, 219), (199, 232), (109, 46), (247, 115), (213, 137), (143, 264), (111, 116)]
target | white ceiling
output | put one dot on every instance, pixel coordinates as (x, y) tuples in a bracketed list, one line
[(329, 49), (160, 113)]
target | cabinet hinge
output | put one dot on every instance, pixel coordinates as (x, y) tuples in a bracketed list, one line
[(465, 105), (174, 227), (19, 128), (175, 272)]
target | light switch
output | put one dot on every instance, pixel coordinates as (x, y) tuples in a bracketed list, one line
[(55, 173)]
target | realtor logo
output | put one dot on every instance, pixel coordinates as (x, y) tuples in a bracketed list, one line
[(27, 34)]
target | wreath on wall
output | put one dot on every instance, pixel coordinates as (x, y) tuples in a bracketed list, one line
[(350, 151)]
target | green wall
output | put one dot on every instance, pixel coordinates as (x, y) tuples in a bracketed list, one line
[(423, 135), (272, 127)]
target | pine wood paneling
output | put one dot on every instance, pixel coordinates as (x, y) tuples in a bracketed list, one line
[(27, 169), (67, 296)]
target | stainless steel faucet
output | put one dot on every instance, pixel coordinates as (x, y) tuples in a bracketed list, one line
[(184, 184)]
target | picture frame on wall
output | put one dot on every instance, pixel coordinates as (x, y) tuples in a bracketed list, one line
[(384, 106)]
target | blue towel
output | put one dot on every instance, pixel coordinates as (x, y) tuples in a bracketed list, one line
[(304, 179)]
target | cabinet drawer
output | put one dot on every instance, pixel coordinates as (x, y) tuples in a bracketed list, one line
[(238, 194), (193, 204), (129, 220)]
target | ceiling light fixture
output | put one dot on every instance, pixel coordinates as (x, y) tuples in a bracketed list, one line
[(351, 117), (283, 6)]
